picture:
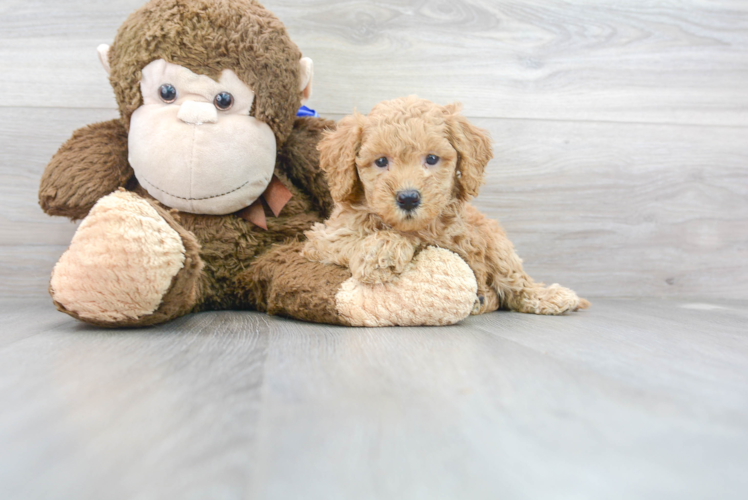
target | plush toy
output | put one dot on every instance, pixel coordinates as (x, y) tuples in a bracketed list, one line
[(197, 197)]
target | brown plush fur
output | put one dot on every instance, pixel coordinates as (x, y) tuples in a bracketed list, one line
[(206, 37), (89, 165), (222, 251), (376, 239), (282, 282)]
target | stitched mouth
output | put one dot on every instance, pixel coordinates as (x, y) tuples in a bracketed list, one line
[(192, 199)]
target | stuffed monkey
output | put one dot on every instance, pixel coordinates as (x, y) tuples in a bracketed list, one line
[(197, 197)]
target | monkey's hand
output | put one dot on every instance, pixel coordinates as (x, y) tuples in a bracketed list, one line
[(90, 165), (381, 257)]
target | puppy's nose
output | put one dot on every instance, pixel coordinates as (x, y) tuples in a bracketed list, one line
[(409, 199)]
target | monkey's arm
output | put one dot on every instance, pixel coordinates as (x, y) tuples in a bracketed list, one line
[(90, 165), (439, 289), (299, 160), (283, 282)]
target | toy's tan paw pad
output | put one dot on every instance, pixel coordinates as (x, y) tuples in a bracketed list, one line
[(120, 263), (437, 288)]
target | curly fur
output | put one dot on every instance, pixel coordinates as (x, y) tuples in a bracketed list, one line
[(376, 239)]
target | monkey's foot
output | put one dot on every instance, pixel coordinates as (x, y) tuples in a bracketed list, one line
[(121, 264), (437, 288), (552, 300)]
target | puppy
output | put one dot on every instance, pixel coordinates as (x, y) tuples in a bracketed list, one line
[(402, 179)]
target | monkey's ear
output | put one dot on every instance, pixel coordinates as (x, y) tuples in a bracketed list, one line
[(473, 146), (337, 157), (307, 73), (103, 51)]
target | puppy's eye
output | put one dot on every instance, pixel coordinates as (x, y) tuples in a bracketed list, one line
[(381, 162), (432, 159), (224, 101), (168, 93)]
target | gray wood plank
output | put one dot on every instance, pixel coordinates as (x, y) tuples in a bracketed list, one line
[(23, 318), (614, 210), (160, 413), (679, 62), (630, 399), (25, 269), (608, 209), (627, 400)]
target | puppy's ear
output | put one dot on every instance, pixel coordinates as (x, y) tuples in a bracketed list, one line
[(337, 157), (474, 148)]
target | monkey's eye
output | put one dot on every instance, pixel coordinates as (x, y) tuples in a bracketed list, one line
[(381, 162), (224, 101), (432, 159), (168, 93)]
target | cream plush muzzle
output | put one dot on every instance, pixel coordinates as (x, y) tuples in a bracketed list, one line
[(191, 156)]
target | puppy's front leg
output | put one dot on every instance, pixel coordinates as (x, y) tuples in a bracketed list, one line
[(380, 257)]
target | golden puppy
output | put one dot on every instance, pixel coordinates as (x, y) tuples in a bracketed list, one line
[(402, 178)]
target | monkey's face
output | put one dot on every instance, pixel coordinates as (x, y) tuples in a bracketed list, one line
[(194, 145)]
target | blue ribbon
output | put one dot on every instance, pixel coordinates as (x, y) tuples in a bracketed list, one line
[(304, 111)]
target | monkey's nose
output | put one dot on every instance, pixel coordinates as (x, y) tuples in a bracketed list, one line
[(408, 199), (197, 113)]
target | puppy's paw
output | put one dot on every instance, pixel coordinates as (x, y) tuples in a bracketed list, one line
[(371, 274), (478, 305), (382, 257), (486, 302), (552, 300)]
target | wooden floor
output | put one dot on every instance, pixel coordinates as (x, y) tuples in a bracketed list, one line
[(630, 399)]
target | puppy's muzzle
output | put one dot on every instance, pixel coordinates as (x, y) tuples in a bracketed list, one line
[(408, 200)]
